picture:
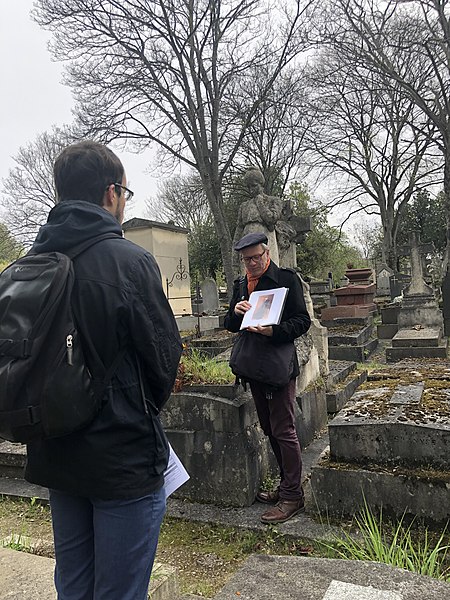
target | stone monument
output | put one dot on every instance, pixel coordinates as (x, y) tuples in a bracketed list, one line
[(420, 321), (274, 217), (210, 296), (383, 275)]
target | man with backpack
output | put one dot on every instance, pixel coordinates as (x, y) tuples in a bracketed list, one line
[(265, 357), (106, 480)]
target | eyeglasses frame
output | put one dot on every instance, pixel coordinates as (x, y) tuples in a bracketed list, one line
[(255, 258), (127, 192)]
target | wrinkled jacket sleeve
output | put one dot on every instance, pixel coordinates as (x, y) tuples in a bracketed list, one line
[(153, 330), (295, 320)]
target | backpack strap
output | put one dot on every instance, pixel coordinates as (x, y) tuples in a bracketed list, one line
[(80, 248)]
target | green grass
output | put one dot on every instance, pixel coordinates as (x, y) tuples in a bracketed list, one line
[(394, 543), (195, 367), (206, 555)]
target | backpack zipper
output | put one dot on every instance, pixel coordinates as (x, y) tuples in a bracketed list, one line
[(69, 348)]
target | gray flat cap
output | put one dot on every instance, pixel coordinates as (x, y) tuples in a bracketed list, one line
[(251, 239)]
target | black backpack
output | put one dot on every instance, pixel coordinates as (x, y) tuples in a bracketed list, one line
[(46, 388)]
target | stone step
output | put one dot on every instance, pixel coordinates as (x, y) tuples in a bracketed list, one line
[(352, 353), (339, 396), (19, 488), (397, 354), (12, 459), (426, 337)]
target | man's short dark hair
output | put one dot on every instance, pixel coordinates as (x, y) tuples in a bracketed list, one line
[(84, 170)]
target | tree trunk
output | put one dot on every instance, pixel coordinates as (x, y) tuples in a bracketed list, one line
[(445, 259), (388, 245), (216, 204)]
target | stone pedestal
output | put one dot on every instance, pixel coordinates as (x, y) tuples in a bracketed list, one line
[(420, 329), (352, 301), (389, 322)]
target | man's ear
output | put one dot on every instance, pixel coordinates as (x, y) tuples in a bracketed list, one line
[(108, 197)]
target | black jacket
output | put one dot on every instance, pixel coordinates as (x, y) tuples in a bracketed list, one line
[(295, 320), (118, 301)]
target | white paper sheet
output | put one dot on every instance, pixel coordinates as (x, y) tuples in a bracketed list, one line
[(175, 474)]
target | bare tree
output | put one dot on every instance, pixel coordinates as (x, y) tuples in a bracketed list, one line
[(371, 139), (181, 200), (171, 72), (28, 192), (409, 42), (274, 140)]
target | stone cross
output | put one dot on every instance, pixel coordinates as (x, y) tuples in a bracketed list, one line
[(414, 238)]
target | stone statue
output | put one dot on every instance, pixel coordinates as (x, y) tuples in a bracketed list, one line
[(273, 216), (259, 213)]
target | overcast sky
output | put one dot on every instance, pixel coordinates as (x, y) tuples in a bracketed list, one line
[(33, 99)]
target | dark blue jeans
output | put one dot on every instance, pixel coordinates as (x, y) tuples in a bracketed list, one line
[(277, 418), (105, 548)]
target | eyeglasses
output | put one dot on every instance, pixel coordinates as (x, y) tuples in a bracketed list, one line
[(127, 193), (255, 258)]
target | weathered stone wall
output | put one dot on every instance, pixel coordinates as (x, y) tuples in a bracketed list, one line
[(220, 443)]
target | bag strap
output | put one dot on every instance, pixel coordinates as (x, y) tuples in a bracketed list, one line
[(145, 401), (80, 248)]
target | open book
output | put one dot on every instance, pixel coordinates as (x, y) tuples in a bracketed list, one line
[(267, 307)]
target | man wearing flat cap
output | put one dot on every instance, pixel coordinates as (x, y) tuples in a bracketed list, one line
[(274, 405)]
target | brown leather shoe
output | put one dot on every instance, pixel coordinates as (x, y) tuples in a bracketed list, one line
[(283, 511), (270, 497)]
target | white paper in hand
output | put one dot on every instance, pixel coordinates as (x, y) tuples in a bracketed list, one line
[(175, 474)]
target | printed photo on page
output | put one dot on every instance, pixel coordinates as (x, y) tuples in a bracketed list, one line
[(267, 307)]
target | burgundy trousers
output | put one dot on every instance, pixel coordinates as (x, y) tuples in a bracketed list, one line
[(275, 410)]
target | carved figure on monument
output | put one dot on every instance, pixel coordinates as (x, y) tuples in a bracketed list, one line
[(273, 216), (260, 213)]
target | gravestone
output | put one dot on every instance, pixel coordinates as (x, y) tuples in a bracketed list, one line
[(420, 321), (210, 296), (397, 283), (352, 301), (320, 291), (215, 432), (383, 276)]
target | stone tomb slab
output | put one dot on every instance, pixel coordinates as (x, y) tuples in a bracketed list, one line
[(300, 578), (348, 336), (421, 338), (398, 353), (392, 428)]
